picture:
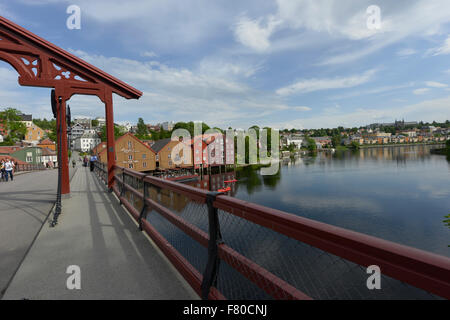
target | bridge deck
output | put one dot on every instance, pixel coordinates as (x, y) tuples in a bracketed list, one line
[(94, 232)]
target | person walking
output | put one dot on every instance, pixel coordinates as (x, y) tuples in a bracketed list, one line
[(92, 162), (2, 170), (9, 167)]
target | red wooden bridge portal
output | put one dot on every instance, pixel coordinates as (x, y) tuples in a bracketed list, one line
[(43, 64)]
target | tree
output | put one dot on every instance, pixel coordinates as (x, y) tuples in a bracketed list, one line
[(312, 147), (94, 123), (354, 145), (16, 130), (336, 141), (117, 133), (142, 130)]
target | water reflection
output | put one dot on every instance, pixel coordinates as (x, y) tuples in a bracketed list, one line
[(399, 194)]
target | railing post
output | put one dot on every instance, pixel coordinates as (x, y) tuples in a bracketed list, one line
[(215, 238), (143, 214), (122, 190)]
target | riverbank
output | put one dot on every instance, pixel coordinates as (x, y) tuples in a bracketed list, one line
[(442, 151), (403, 145)]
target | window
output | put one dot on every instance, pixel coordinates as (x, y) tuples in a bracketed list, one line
[(129, 144), (130, 166), (168, 156), (170, 163), (130, 157), (144, 156), (144, 164)]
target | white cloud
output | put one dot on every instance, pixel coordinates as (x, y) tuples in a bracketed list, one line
[(421, 91), (435, 84), (380, 90), (444, 49), (301, 108), (149, 54), (310, 85), (253, 34), (406, 52), (428, 110), (181, 94)]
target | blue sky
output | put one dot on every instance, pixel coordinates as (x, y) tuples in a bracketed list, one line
[(283, 63)]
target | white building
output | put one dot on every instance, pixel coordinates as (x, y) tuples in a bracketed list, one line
[(87, 142), (83, 121), (295, 139), (101, 121), (49, 157), (76, 131)]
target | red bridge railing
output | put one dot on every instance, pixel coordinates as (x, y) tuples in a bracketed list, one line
[(228, 248), (28, 167)]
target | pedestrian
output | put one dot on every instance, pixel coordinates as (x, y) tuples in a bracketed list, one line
[(2, 170), (92, 162), (86, 160), (9, 167)]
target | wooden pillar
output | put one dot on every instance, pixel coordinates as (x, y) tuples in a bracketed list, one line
[(61, 114), (110, 140)]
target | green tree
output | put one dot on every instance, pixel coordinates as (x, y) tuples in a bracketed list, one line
[(142, 130), (117, 132), (336, 141), (312, 147), (354, 145), (16, 130)]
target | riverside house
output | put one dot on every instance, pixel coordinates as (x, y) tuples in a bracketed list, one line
[(131, 153), (32, 155), (163, 149)]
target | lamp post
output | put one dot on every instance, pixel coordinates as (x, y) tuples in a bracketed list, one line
[(56, 107)]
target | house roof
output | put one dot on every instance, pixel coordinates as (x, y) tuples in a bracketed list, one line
[(160, 144), (99, 148), (87, 135), (128, 134), (46, 141), (5, 157), (26, 117), (9, 149), (48, 152)]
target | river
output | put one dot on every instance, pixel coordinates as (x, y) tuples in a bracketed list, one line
[(399, 194)]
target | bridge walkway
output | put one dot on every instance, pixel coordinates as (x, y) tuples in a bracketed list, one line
[(94, 232)]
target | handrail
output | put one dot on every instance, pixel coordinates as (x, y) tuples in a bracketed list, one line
[(29, 167), (424, 270), (419, 268)]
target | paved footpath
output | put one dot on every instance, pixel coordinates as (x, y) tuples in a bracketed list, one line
[(95, 233), (25, 203)]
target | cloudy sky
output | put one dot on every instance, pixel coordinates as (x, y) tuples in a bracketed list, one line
[(279, 63)]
